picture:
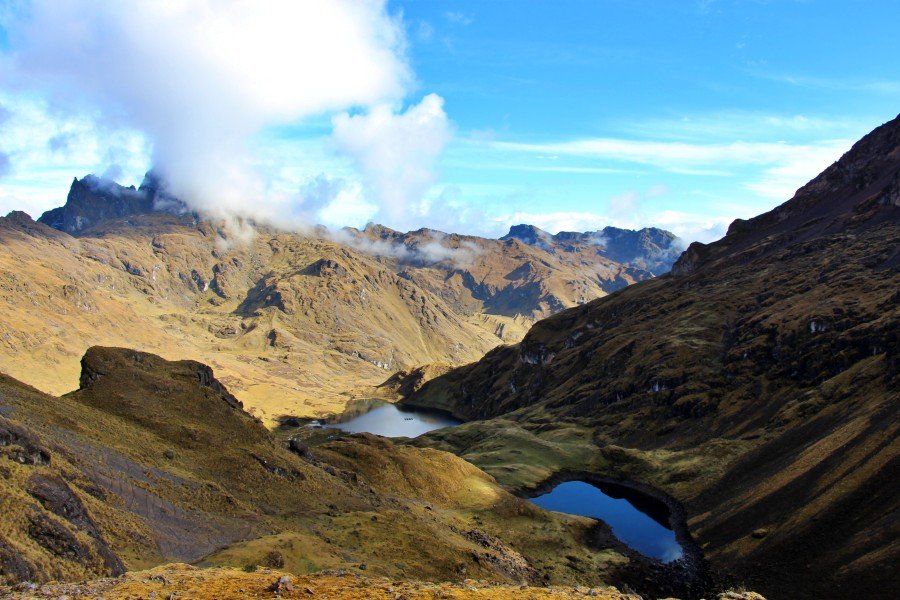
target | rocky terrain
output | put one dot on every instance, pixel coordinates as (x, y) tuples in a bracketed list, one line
[(757, 383), (294, 324)]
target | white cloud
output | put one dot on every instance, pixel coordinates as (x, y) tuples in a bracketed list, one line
[(201, 79), (778, 168), (395, 153)]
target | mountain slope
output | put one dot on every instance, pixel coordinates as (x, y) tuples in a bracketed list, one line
[(151, 461), (758, 384), (294, 323)]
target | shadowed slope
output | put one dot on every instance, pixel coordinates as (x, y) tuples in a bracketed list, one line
[(758, 384)]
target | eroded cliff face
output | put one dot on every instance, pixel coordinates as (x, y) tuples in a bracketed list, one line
[(758, 383)]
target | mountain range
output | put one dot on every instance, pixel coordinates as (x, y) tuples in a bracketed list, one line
[(295, 324)]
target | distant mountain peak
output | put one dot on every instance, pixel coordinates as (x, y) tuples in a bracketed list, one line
[(92, 200), (527, 234), (649, 248)]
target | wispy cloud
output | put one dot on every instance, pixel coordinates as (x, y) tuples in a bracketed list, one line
[(772, 169), (880, 86), (458, 18), (531, 168), (730, 125)]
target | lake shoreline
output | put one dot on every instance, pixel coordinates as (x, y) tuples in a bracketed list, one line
[(689, 576)]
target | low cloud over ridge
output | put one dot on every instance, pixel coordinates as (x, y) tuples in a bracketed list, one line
[(201, 79)]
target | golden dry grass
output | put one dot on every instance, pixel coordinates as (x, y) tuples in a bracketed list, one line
[(185, 581)]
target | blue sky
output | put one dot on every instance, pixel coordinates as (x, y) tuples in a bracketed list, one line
[(569, 114), (815, 74)]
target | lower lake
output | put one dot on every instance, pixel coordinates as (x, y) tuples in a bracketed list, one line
[(643, 529)]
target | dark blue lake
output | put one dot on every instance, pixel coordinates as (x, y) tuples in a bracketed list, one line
[(389, 420), (635, 528)]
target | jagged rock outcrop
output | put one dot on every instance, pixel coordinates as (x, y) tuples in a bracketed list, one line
[(92, 200)]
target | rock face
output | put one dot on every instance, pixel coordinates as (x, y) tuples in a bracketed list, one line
[(758, 384), (58, 498), (92, 200)]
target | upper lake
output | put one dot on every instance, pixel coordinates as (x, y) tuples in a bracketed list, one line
[(389, 420)]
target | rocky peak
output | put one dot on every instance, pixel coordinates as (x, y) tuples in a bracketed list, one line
[(528, 234), (649, 248), (19, 217), (93, 199), (376, 231)]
